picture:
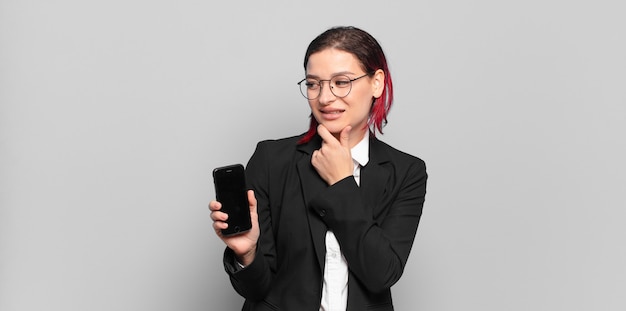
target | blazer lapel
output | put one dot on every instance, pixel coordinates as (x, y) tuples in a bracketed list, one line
[(374, 181), (375, 176), (312, 184)]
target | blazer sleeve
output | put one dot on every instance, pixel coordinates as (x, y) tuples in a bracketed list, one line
[(253, 281), (376, 247)]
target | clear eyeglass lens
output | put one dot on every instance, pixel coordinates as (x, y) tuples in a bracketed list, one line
[(340, 86)]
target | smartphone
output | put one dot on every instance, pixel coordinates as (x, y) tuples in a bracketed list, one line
[(231, 191)]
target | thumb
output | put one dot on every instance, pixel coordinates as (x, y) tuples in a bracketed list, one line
[(345, 136), (252, 201)]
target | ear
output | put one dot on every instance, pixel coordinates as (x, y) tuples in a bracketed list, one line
[(378, 83)]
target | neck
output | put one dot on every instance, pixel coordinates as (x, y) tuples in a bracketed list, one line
[(355, 136)]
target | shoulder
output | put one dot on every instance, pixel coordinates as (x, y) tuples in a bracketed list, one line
[(407, 169), (270, 157), (275, 150), (385, 152), (281, 143)]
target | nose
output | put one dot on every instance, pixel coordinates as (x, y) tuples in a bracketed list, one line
[(326, 95)]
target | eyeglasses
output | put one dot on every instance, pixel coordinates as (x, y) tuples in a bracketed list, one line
[(340, 86)]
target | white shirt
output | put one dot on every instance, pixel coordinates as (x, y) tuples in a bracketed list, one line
[(335, 287)]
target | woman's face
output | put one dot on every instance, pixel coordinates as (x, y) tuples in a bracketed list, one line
[(336, 113)]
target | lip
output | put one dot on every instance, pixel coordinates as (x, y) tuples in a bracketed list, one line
[(331, 113)]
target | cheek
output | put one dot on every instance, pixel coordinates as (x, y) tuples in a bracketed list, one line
[(364, 94), (360, 111), (363, 101)]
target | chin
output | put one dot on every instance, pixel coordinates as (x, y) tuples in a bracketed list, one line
[(334, 128)]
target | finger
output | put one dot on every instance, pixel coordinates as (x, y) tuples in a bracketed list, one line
[(215, 206), (219, 216), (325, 134), (252, 200), (345, 136), (314, 155), (218, 226)]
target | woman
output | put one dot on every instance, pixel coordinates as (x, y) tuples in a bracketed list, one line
[(334, 210)]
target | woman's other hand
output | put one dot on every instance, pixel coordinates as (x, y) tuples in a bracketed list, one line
[(244, 244)]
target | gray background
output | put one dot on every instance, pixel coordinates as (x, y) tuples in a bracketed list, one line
[(114, 113)]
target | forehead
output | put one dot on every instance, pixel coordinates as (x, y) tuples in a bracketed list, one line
[(330, 61)]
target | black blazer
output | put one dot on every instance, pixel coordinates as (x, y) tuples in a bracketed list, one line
[(375, 225)]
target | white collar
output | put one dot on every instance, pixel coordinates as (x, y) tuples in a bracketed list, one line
[(360, 152)]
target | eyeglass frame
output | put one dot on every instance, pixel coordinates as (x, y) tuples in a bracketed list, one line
[(319, 82)]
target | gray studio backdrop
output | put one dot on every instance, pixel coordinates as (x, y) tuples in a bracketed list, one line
[(114, 113)]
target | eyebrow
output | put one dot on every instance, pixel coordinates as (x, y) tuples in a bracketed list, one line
[(333, 75)]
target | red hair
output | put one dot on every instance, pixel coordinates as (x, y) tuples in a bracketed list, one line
[(372, 58)]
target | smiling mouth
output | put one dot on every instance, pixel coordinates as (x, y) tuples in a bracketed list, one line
[(332, 111)]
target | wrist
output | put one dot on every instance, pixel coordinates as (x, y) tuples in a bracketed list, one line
[(247, 258)]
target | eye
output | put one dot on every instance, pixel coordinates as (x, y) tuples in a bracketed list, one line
[(311, 84), (341, 82)]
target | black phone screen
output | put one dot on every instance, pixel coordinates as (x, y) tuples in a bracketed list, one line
[(231, 192)]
